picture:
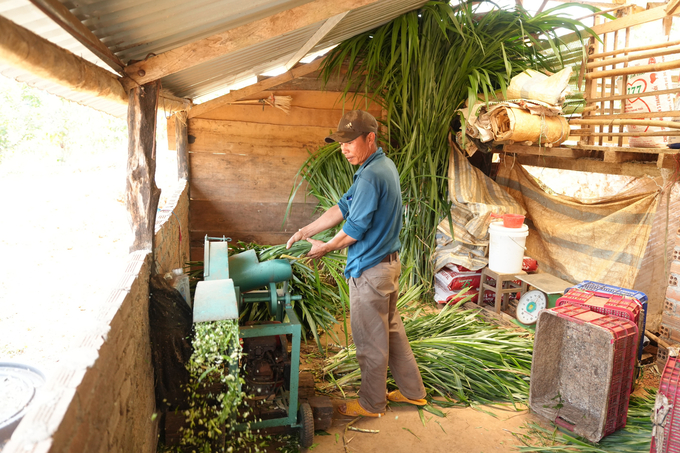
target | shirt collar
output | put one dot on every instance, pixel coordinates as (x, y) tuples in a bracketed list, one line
[(377, 154)]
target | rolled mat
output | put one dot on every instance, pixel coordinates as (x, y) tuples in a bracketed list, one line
[(517, 125)]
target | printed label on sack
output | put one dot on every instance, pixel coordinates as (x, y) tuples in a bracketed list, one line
[(645, 85)]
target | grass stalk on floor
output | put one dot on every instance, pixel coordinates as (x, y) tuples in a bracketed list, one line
[(635, 437), (459, 355)]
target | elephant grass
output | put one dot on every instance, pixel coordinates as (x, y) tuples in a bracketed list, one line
[(421, 68)]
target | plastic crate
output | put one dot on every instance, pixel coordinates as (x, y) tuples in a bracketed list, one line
[(596, 287), (608, 304), (670, 381), (582, 369), (601, 289)]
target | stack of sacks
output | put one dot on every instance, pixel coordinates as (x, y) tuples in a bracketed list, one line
[(529, 116), (453, 283)]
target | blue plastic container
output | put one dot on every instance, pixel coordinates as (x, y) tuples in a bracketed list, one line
[(595, 287)]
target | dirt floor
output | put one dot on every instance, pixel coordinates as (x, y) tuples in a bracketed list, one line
[(479, 430), (466, 429), (476, 429)]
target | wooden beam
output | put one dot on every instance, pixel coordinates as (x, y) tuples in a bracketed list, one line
[(632, 49), (238, 38), (562, 152), (592, 166), (672, 7), (169, 103), (631, 21), (634, 70), (608, 121), (63, 17), (316, 37), (633, 57), (586, 2), (620, 97), (588, 133), (302, 70), (624, 22), (26, 51), (625, 149), (604, 11), (142, 195), (669, 114), (182, 145)]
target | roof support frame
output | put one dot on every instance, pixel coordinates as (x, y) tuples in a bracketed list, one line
[(197, 52), (258, 87), (28, 52), (314, 40), (70, 23)]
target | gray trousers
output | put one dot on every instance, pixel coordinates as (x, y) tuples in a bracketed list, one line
[(379, 337)]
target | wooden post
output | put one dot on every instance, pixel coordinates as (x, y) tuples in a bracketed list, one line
[(142, 195), (181, 142)]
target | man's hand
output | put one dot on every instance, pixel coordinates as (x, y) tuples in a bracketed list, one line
[(318, 249), (295, 238)]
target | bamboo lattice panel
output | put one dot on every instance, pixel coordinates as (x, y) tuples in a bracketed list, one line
[(613, 76)]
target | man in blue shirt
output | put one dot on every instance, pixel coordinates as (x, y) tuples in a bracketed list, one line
[(372, 211)]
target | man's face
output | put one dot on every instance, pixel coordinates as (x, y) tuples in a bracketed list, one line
[(358, 150)]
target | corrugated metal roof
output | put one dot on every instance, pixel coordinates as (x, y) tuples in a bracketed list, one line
[(134, 29), (367, 18), (251, 61)]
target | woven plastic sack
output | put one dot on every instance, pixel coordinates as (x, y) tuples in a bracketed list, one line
[(537, 86), (519, 126), (646, 84)]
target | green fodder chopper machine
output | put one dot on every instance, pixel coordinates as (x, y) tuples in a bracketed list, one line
[(271, 375)]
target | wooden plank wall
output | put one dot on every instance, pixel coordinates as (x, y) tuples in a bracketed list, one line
[(243, 160)]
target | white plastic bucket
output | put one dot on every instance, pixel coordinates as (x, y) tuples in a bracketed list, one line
[(506, 248)]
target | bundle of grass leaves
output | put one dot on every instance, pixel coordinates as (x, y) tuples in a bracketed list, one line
[(636, 437), (461, 357), (321, 283)]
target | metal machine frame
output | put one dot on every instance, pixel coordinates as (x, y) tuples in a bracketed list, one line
[(223, 294)]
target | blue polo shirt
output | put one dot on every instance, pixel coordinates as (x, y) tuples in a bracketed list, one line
[(372, 210)]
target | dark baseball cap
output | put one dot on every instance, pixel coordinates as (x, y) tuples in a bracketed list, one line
[(352, 125)]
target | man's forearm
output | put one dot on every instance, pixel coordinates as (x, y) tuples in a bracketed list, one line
[(340, 241), (320, 248), (329, 219)]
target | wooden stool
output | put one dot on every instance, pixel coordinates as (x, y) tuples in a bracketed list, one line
[(504, 286)]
